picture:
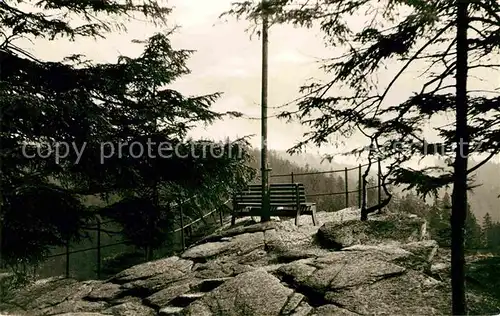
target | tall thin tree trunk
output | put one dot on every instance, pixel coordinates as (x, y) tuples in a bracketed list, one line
[(155, 196), (152, 219), (459, 197), (265, 209), (2, 211)]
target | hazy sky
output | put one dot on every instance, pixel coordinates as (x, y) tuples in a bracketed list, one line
[(228, 61)]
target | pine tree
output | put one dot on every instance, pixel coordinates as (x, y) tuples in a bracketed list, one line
[(439, 221), (472, 231), (495, 237), (446, 201), (488, 229)]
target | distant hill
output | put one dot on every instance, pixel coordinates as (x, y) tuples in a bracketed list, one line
[(311, 161)]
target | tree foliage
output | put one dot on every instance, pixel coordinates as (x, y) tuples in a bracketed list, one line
[(97, 107)]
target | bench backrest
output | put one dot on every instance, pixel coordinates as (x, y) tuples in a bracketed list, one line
[(280, 194)]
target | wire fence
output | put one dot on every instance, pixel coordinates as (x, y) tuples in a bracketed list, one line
[(184, 232), (184, 235), (360, 189)]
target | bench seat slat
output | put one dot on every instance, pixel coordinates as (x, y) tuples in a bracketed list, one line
[(272, 191), (290, 197), (290, 187), (281, 196), (286, 198), (277, 187), (272, 194), (258, 204), (258, 201), (283, 213), (293, 205), (279, 192), (259, 197)]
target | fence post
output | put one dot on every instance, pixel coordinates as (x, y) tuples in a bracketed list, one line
[(98, 248), (379, 183), (182, 228), (67, 259), (346, 189), (293, 180), (220, 215), (360, 186)]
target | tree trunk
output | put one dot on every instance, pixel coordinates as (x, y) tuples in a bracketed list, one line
[(1, 187), (265, 209), (459, 197), (152, 219), (364, 213)]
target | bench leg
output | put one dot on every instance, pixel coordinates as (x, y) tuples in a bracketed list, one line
[(313, 211), (233, 218), (297, 217)]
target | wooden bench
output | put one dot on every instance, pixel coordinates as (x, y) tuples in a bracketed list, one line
[(286, 199)]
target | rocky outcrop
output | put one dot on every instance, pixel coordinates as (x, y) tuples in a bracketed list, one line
[(376, 230), (251, 293), (276, 268)]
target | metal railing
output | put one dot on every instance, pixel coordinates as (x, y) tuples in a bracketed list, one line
[(99, 231), (361, 190)]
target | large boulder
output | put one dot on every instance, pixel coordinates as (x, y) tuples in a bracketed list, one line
[(172, 267), (130, 308), (366, 282), (337, 235), (163, 297), (409, 293), (54, 296), (425, 249), (220, 268), (287, 242), (150, 277), (251, 293), (234, 246)]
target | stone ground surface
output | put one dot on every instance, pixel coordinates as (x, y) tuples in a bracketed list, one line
[(386, 266)]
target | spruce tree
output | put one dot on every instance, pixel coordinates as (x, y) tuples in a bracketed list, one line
[(472, 231), (488, 229), (439, 221)]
